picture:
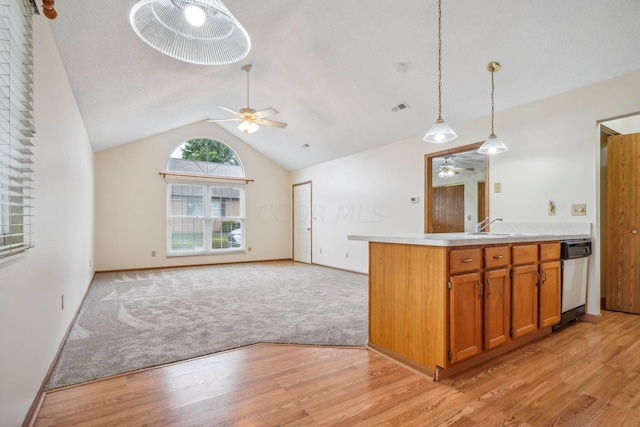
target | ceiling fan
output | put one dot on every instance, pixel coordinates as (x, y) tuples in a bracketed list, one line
[(448, 169), (249, 117)]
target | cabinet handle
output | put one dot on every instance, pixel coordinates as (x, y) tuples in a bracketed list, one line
[(498, 256), (545, 277), (479, 289), (490, 287), (538, 282), (467, 260)]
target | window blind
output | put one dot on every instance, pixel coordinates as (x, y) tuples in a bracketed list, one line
[(16, 127)]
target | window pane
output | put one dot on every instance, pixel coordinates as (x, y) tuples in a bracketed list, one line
[(186, 200), (226, 234), (226, 202), (186, 234)]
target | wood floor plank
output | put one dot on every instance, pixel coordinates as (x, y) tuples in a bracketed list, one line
[(583, 375)]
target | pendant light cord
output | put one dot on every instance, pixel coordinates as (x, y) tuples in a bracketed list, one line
[(248, 88), (439, 59)]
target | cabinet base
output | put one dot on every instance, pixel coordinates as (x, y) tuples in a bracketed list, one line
[(403, 361), (442, 373)]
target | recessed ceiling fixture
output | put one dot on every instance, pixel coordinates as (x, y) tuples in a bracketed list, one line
[(440, 131), (196, 31), (249, 117), (493, 144)]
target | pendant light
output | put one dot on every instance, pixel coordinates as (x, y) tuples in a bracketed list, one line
[(493, 144), (440, 131), (200, 32)]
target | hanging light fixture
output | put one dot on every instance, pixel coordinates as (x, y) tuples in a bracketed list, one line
[(493, 144), (196, 31), (440, 131)]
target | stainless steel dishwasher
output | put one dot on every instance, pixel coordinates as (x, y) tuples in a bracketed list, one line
[(575, 262)]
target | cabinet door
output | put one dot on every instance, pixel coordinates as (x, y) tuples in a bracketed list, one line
[(497, 308), (524, 300), (549, 293), (465, 316)]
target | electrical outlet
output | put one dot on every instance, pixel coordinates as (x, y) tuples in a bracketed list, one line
[(346, 255), (497, 187), (153, 253), (552, 208), (249, 248), (579, 209), (320, 251)]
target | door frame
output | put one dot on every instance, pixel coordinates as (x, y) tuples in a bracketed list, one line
[(293, 219)]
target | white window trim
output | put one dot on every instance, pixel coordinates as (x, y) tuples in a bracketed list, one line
[(206, 218)]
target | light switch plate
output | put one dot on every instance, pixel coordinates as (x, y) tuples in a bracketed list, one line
[(579, 209), (497, 187)]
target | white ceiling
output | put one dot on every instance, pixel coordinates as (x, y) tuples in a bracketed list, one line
[(329, 67)]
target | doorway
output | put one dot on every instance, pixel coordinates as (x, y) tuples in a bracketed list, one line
[(623, 223), (302, 205)]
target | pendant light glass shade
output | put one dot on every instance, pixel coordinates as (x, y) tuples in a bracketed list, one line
[(440, 132), (196, 31), (493, 144)]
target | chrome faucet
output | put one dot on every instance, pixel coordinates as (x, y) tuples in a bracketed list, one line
[(485, 223)]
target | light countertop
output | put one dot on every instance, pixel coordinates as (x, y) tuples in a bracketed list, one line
[(466, 239)]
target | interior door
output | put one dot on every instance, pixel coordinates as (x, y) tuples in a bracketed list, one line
[(302, 222), (448, 209), (623, 223)]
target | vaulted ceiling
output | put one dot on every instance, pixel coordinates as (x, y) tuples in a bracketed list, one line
[(330, 67)]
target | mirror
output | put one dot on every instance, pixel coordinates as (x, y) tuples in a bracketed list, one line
[(456, 197)]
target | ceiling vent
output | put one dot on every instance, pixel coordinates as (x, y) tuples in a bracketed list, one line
[(402, 106)]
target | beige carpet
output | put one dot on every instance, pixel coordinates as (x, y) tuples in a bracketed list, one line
[(137, 319)]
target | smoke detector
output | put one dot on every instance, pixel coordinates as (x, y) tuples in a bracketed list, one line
[(402, 106)]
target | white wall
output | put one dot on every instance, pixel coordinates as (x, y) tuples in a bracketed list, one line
[(32, 323), (554, 152), (131, 203)]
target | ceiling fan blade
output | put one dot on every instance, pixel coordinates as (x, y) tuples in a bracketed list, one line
[(225, 120), (266, 112), (229, 110), (271, 123)]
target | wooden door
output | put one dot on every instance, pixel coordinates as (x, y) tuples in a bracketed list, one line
[(497, 308), (448, 209), (524, 300), (550, 291), (623, 224), (465, 316)]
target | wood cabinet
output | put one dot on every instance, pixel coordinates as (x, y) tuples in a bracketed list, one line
[(465, 316), (441, 309), (497, 308)]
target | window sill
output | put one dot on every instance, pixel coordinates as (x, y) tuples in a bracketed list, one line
[(212, 253)]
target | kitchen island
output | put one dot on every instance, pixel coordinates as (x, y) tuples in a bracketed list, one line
[(441, 303)]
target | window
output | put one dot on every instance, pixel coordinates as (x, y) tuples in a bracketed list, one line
[(204, 216), (16, 124)]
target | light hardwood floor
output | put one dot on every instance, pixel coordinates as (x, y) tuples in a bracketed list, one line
[(582, 375)]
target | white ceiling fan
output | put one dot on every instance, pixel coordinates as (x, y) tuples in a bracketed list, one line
[(448, 169), (249, 117)]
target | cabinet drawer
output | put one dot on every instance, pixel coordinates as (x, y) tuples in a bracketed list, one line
[(524, 254), (549, 251), (496, 257), (461, 260)]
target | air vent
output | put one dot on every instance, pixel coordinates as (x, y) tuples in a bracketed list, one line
[(402, 106)]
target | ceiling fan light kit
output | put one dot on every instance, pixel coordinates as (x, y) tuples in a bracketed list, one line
[(196, 31), (249, 117), (493, 144), (440, 132)]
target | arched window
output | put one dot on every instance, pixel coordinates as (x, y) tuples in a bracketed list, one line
[(205, 156), (205, 214)]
